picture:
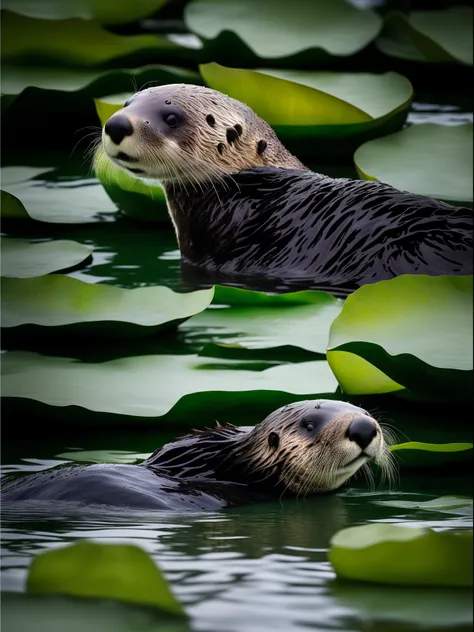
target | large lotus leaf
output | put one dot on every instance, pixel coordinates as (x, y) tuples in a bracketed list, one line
[(243, 318), (273, 30), (70, 202), (76, 42), (21, 258), (135, 198), (73, 305), (123, 572), (431, 36), (47, 613), (90, 82), (419, 454), (151, 386), (108, 12), (428, 159), (386, 553), (382, 340), (303, 106)]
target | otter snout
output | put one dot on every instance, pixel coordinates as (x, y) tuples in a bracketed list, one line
[(117, 127), (362, 431)]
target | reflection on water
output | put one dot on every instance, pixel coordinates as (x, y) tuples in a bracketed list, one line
[(262, 567)]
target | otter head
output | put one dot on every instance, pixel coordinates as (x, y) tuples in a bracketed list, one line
[(316, 446), (181, 133)]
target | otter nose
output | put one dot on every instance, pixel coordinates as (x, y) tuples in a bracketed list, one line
[(117, 127), (362, 431)]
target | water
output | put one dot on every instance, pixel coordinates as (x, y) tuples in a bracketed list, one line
[(261, 568)]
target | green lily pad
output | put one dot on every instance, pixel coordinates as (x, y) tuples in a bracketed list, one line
[(386, 553), (276, 30), (11, 207), (430, 36), (90, 82), (432, 447), (303, 106), (428, 159), (71, 202), (299, 319), (47, 613), (449, 504), (422, 455), (77, 42), (72, 305), (133, 197), (123, 572), (382, 340), (102, 456), (118, 12), (151, 386), (22, 259)]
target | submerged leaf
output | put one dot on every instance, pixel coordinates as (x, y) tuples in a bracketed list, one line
[(431, 36), (150, 386), (386, 553), (116, 12), (428, 159), (277, 30), (444, 503), (61, 301), (22, 259), (391, 326), (123, 572)]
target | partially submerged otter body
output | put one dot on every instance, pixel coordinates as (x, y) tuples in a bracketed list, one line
[(243, 205), (303, 448), (295, 225)]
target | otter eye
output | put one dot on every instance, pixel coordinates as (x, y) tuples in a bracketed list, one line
[(127, 102), (308, 425), (171, 120)]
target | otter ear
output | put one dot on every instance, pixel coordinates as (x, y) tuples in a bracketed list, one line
[(273, 440)]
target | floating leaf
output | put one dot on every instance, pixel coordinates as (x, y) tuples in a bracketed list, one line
[(71, 202), (421, 455), (382, 340), (299, 319), (117, 12), (386, 553), (445, 503), (76, 42), (71, 304), (47, 613), (150, 386), (303, 106), (431, 36), (102, 456), (11, 207), (279, 30), (21, 258), (432, 447), (90, 82), (135, 198), (123, 572), (428, 159)]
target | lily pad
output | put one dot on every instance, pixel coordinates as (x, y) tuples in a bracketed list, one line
[(449, 504), (77, 42), (428, 159), (47, 613), (122, 572), (300, 319), (133, 197), (432, 447), (148, 387), (303, 106), (88, 81), (389, 554), (70, 305), (429, 36), (118, 12), (382, 340), (277, 30), (416, 454), (102, 456), (70, 202), (22, 259)]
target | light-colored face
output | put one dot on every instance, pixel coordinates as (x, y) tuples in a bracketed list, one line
[(318, 445), (183, 133)]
